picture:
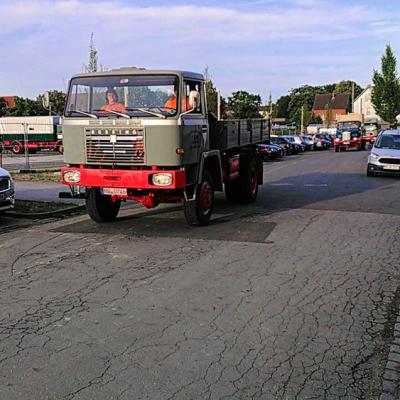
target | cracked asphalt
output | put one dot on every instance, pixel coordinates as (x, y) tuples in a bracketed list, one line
[(288, 298)]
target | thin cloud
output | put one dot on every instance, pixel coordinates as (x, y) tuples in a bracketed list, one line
[(49, 39)]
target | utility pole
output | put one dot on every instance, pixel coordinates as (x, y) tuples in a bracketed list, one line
[(218, 105), (352, 97), (270, 106), (302, 120)]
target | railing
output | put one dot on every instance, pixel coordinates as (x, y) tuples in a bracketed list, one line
[(22, 139)]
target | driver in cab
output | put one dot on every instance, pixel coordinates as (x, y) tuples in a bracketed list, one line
[(112, 102)]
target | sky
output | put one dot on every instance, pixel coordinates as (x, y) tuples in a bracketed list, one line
[(260, 46)]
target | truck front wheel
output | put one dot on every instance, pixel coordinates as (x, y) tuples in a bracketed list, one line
[(198, 211), (101, 208)]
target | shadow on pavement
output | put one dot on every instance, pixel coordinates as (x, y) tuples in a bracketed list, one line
[(332, 191)]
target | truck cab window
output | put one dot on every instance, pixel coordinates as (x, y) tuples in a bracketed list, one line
[(194, 87)]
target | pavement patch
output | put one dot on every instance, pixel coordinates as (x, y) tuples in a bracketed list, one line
[(224, 227)]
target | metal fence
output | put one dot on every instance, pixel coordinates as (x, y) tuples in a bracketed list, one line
[(22, 140)]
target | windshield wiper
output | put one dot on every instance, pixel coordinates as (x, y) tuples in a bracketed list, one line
[(84, 113), (114, 112), (147, 111)]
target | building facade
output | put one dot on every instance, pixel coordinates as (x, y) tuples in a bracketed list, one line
[(364, 106), (329, 106)]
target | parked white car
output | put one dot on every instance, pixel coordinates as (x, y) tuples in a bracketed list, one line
[(385, 154), (6, 191)]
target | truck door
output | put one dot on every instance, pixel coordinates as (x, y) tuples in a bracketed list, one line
[(194, 123)]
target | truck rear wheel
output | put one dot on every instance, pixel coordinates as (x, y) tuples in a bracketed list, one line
[(249, 181), (101, 208), (337, 148), (198, 211)]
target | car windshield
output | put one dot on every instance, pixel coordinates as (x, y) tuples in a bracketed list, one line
[(121, 95), (349, 125), (388, 142)]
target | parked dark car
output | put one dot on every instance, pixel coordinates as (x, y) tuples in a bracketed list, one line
[(289, 147), (308, 142), (296, 142), (269, 151), (320, 142)]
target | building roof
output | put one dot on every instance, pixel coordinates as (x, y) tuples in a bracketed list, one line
[(334, 102), (10, 101)]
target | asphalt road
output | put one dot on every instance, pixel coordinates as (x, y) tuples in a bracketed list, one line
[(43, 159), (289, 298)]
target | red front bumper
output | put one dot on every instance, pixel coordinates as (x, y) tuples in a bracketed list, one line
[(130, 179)]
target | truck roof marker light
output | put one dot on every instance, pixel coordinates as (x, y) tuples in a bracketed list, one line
[(180, 151)]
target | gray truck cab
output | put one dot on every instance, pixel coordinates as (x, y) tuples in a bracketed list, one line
[(144, 99)]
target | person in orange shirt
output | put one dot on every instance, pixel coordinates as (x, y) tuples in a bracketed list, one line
[(171, 103), (112, 102)]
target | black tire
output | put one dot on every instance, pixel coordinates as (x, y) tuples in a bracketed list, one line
[(369, 172), (232, 191), (248, 181), (17, 148), (198, 211), (101, 208), (337, 149)]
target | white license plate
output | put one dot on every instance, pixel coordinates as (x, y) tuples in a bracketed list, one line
[(346, 142), (392, 167), (115, 191)]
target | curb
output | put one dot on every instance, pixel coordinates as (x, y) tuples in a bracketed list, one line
[(391, 376), (44, 215), (37, 170)]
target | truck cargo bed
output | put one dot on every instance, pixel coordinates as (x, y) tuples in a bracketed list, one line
[(234, 133)]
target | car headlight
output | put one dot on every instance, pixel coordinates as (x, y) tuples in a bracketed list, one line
[(374, 156), (72, 176), (162, 179)]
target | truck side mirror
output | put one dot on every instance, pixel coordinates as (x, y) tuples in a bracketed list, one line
[(194, 99)]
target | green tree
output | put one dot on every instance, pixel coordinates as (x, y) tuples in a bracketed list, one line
[(346, 87), (282, 107), (308, 117), (57, 101), (212, 95), (244, 105), (3, 106), (26, 107), (386, 90)]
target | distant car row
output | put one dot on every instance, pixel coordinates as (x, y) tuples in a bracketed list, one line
[(280, 146)]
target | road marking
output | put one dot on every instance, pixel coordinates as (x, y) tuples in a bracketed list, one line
[(316, 184), (280, 184)]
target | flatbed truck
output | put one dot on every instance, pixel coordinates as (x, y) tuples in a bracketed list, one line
[(156, 143)]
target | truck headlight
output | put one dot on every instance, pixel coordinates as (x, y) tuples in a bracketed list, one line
[(72, 176), (162, 179)]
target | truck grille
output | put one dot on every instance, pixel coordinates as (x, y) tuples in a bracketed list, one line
[(109, 146), (389, 160), (4, 183)]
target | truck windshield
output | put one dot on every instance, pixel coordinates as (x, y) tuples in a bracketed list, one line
[(349, 125), (123, 96)]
